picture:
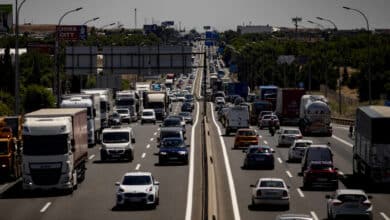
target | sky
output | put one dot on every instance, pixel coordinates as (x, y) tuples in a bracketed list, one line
[(219, 14)]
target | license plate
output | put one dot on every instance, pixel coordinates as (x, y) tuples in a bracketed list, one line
[(353, 206), (135, 199), (115, 155), (174, 158)]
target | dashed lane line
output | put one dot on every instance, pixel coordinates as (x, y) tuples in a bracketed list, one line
[(289, 174), (151, 139), (91, 157), (138, 166), (45, 207), (280, 160), (300, 192), (314, 215), (384, 216), (265, 142), (342, 141), (155, 133), (143, 155), (147, 146)]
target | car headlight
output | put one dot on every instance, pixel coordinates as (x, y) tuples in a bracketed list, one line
[(163, 153), (182, 152)]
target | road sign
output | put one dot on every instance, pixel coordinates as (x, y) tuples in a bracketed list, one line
[(72, 32), (288, 59)]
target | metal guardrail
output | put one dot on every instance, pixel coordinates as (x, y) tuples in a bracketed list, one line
[(342, 121)]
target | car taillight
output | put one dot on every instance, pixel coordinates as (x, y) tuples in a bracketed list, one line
[(366, 203), (285, 194), (299, 136), (337, 202)]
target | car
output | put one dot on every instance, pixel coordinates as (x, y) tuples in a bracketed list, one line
[(219, 104), (262, 113), (221, 113), (318, 152), (173, 122), (219, 99), (259, 156), (297, 149), (270, 191), (292, 216), (266, 119), (180, 97), (117, 143), (114, 119), (124, 113), (190, 81), (320, 174), (189, 97), (173, 149), (187, 117), (183, 122), (287, 136), (349, 202), (137, 188), (168, 132), (192, 76), (187, 107), (148, 115), (189, 88), (245, 137), (172, 97)]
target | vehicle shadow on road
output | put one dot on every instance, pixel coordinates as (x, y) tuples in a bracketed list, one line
[(132, 208), (110, 161), (172, 164), (16, 192), (267, 208), (353, 182)]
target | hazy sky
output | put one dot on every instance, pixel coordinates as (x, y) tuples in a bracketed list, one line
[(220, 14)]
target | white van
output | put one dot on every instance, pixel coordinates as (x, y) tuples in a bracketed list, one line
[(117, 143)]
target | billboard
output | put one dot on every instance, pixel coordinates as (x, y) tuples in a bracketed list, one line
[(6, 18), (72, 32), (81, 60)]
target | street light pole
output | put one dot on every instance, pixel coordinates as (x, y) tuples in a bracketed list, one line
[(369, 51), (107, 25), (56, 55), (318, 24), (17, 95), (90, 20)]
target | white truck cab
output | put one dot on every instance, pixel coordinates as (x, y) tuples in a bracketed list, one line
[(117, 143)]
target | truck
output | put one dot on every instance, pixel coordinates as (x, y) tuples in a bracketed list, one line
[(129, 99), (236, 117), (315, 115), (237, 88), (257, 107), (106, 103), (157, 101), (55, 149), (371, 149), (10, 145), (269, 93), (92, 103), (142, 87), (287, 105)]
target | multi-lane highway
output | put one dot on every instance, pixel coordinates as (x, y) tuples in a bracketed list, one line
[(181, 186)]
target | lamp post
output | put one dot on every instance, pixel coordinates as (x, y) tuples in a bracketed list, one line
[(56, 55), (107, 25), (369, 48), (330, 21), (90, 20), (17, 96), (318, 24)]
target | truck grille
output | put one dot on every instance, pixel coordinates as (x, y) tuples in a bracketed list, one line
[(46, 176)]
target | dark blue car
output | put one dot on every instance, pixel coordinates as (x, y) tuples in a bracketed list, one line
[(173, 150), (259, 156)]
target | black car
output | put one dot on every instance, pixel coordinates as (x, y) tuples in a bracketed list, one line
[(186, 107), (187, 117), (173, 149), (173, 122), (259, 156)]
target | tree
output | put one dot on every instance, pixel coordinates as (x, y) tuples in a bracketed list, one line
[(37, 97)]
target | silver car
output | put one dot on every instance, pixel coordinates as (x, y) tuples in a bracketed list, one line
[(287, 136), (297, 149), (349, 202), (271, 191)]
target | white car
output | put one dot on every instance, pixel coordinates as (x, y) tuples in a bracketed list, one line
[(294, 217), (287, 136), (124, 113), (219, 99), (137, 188), (148, 115), (270, 191), (349, 202), (297, 149)]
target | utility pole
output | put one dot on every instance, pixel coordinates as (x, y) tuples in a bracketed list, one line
[(296, 20), (135, 18)]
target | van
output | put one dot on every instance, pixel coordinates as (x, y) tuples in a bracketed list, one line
[(321, 153), (168, 132), (117, 143)]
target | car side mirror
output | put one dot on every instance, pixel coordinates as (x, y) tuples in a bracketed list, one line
[(328, 197), (252, 186), (187, 145), (156, 183), (117, 183)]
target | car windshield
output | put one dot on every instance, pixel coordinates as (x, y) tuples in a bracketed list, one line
[(122, 111), (136, 180), (171, 123), (246, 133), (172, 142), (189, 97), (259, 150), (321, 166), (147, 113), (351, 198), (271, 183), (116, 137), (3, 147), (184, 113), (291, 132), (302, 145)]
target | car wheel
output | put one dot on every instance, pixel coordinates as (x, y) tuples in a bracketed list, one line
[(131, 157), (287, 207), (142, 122), (103, 157)]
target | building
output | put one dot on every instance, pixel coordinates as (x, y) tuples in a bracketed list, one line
[(251, 29)]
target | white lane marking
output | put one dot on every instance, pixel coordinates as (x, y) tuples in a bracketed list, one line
[(265, 142), (300, 192), (91, 157), (260, 136), (280, 160), (232, 189), (151, 139), (138, 166), (155, 133), (190, 187), (143, 155), (342, 141), (3, 186), (341, 173), (313, 214), (158, 129), (289, 174), (147, 146), (384, 216), (45, 207)]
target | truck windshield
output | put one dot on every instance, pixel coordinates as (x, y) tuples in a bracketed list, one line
[(155, 105), (45, 145), (125, 102), (116, 137), (3, 147)]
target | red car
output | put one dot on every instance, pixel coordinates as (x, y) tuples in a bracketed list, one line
[(321, 174)]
